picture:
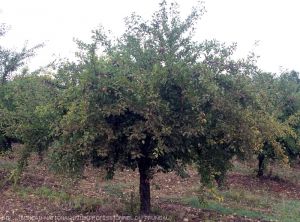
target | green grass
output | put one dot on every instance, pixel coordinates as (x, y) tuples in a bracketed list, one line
[(79, 202), (222, 208), (114, 189), (243, 168), (86, 204), (245, 198), (7, 165), (48, 193), (43, 192), (235, 211), (130, 201), (288, 211), (245, 204)]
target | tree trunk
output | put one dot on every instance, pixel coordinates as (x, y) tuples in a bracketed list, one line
[(145, 199), (261, 165), (5, 142), (221, 180)]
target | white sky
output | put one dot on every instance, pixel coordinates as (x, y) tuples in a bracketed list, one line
[(274, 23)]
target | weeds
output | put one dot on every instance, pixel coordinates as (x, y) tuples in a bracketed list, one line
[(246, 204), (114, 189), (79, 203), (7, 165)]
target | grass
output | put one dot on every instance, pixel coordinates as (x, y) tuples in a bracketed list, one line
[(246, 204), (7, 165), (83, 203), (278, 170), (86, 204), (223, 208), (288, 174), (129, 200), (115, 189), (43, 192), (79, 202), (248, 199), (288, 211)]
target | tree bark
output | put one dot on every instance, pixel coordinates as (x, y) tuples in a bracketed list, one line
[(261, 165), (145, 198), (220, 179)]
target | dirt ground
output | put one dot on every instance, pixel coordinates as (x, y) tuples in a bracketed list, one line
[(40, 196)]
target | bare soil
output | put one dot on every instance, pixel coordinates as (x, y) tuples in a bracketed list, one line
[(17, 207)]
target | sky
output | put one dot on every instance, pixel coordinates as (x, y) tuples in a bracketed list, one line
[(274, 23)]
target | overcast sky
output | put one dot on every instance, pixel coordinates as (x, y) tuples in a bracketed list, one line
[(275, 23)]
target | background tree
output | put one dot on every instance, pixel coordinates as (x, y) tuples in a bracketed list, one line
[(33, 115), (289, 105), (10, 62), (278, 96)]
